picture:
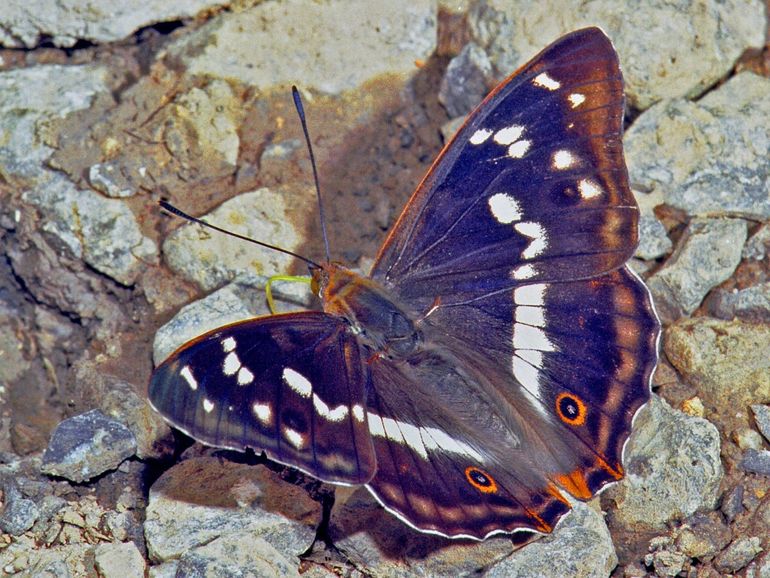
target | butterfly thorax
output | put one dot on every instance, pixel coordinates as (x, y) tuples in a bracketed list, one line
[(383, 326)]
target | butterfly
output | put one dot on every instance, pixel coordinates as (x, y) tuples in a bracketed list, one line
[(491, 364)]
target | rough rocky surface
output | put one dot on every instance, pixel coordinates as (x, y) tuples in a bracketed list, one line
[(188, 101)]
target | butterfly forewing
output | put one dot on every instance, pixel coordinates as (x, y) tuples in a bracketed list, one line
[(292, 385), (532, 188)]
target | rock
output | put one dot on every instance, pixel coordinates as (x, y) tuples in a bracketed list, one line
[(87, 445), (707, 157), (756, 462), (762, 419), (659, 62), (581, 545), (673, 469), (738, 554), (231, 303), (653, 238), (757, 246), (352, 43), (30, 99), (747, 438), (237, 554), (368, 535), (732, 502), (108, 178), (204, 499), (18, 514), (703, 536), (726, 361), (751, 303), (212, 259), (65, 22), (102, 232), (466, 82), (707, 255), (119, 559), (667, 563), (121, 402)]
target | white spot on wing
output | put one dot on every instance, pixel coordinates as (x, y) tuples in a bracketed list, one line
[(529, 378), (420, 439), (536, 232), (530, 315), (245, 377), (576, 99), (188, 376), (524, 272), (531, 356), (528, 337), (588, 189), (228, 344), (358, 412), (545, 81), (519, 149), (263, 411), (208, 405), (533, 294), (231, 364), (480, 136), (297, 382), (295, 438), (505, 209), (337, 414), (563, 159), (508, 135)]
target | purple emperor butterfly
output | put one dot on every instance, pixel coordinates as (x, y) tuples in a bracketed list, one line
[(494, 358)]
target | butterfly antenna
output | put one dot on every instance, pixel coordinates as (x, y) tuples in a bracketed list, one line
[(179, 213), (321, 214)]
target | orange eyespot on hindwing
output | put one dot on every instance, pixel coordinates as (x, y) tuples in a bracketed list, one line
[(570, 409), (480, 480)]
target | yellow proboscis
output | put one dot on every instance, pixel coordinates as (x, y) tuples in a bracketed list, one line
[(288, 278)]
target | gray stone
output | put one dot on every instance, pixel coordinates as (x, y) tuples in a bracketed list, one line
[(352, 43), (732, 502), (707, 255), (580, 546), (751, 303), (653, 238), (667, 563), (466, 82), (18, 514), (659, 62), (87, 445), (64, 22), (238, 554), (102, 232), (119, 559), (165, 570), (738, 554), (756, 462), (107, 178), (212, 259), (757, 246), (673, 469), (762, 419), (226, 499), (708, 157), (747, 438), (703, 536), (30, 99), (726, 361), (231, 303)]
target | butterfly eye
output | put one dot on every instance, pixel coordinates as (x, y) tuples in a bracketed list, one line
[(570, 409), (481, 480)]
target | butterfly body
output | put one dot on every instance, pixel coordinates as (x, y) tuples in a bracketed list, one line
[(494, 359)]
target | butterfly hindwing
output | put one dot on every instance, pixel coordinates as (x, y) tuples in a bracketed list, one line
[(532, 188), (290, 384)]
